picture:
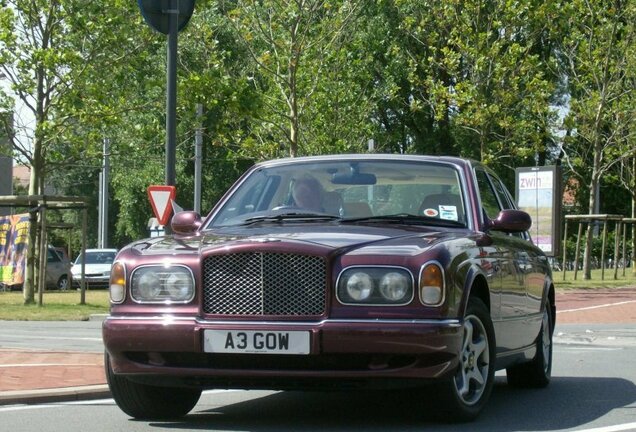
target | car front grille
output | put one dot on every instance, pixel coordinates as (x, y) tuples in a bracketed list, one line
[(281, 284)]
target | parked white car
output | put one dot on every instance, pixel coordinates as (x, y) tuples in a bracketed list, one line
[(96, 269)]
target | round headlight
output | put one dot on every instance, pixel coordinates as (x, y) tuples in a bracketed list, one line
[(179, 286), (149, 285), (394, 286), (359, 286)]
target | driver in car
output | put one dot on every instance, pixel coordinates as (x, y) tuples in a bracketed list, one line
[(307, 194)]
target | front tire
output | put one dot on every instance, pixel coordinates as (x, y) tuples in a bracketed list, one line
[(62, 283), (146, 402), (536, 373), (467, 392)]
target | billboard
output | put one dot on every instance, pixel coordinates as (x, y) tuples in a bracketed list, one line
[(14, 236), (538, 192)]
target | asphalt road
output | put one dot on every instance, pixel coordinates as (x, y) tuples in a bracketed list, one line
[(593, 390), (83, 336)]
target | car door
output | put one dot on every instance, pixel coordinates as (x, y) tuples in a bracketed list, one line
[(531, 264), (54, 267), (511, 286)]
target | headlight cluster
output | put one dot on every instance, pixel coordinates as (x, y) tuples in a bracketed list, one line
[(162, 284), (391, 285), (375, 286)]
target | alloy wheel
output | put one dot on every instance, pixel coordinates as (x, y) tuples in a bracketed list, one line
[(472, 376)]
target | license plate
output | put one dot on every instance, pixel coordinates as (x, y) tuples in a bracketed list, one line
[(256, 342)]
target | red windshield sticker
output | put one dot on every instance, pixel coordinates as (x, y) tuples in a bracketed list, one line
[(430, 212)]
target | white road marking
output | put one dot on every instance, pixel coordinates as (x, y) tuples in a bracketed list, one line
[(22, 336), (47, 364), (596, 307), (615, 428), (580, 348)]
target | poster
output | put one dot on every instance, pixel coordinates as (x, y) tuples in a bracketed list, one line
[(14, 235), (539, 194)]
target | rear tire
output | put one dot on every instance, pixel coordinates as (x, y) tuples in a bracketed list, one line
[(149, 402), (537, 372), (467, 392)]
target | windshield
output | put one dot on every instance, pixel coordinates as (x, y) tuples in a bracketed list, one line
[(345, 190), (100, 257)]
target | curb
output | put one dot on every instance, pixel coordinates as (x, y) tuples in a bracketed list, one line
[(64, 394)]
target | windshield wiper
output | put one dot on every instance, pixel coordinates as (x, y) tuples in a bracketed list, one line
[(406, 219), (289, 216)]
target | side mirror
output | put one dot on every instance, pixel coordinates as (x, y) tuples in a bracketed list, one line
[(511, 221), (185, 222)]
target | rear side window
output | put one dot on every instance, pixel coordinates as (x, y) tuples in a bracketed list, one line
[(494, 197), (489, 201), (502, 193)]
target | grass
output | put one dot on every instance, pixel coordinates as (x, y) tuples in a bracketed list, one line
[(56, 306), (628, 280), (65, 306)]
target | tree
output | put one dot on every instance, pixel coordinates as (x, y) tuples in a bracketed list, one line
[(289, 42), (503, 96), (46, 49), (596, 56), (405, 40), (463, 78)]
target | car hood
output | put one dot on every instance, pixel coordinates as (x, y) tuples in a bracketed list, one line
[(367, 239)]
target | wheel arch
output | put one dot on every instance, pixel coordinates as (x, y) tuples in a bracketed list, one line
[(550, 294), (476, 285)]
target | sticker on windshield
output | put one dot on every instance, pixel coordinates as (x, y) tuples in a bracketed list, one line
[(448, 212), (430, 212)]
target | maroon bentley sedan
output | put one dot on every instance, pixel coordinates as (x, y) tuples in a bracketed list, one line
[(338, 272)]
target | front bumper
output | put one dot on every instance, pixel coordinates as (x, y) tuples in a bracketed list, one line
[(369, 353), (92, 281)]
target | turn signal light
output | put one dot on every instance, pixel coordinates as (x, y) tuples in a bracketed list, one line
[(117, 285), (432, 284)]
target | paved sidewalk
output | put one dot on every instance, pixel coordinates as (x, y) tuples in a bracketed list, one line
[(31, 376), (609, 306)]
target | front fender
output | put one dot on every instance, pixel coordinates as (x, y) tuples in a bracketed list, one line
[(469, 279)]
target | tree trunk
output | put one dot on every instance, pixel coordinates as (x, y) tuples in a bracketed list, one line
[(293, 92), (594, 183), (589, 235), (293, 128), (32, 255), (35, 188)]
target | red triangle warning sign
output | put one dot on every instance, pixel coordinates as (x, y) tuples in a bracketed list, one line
[(161, 197)]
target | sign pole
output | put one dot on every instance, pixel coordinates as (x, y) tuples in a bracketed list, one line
[(198, 159), (171, 102), (169, 17)]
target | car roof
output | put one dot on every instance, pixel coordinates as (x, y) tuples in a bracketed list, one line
[(369, 157)]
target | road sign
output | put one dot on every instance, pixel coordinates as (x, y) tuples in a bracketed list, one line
[(161, 198), (157, 13)]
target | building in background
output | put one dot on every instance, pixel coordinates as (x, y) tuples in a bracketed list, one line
[(6, 160)]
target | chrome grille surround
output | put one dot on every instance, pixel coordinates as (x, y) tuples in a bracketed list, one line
[(257, 283)]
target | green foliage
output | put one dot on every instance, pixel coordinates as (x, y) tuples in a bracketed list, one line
[(598, 57)]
